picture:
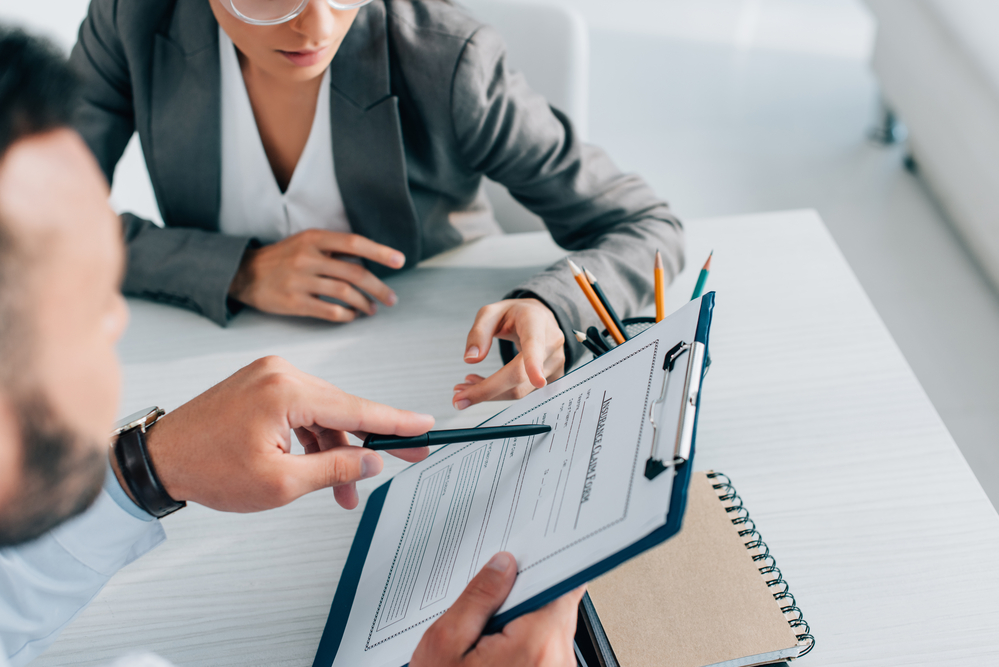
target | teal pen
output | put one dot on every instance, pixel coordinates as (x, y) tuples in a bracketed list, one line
[(703, 277)]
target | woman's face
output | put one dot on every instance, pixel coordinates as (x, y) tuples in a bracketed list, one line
[(297, 50)]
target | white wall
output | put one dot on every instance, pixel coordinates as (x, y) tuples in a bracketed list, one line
[(817, 27)]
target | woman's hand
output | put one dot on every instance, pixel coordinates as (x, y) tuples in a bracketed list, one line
[(288, 277), (531, 326), (539, 639)]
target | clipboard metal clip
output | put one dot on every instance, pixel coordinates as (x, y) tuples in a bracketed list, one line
[(696, 353)]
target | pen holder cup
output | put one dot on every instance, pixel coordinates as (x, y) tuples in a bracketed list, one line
[(633, 326)]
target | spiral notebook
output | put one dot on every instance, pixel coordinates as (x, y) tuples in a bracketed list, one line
[(711, 596)]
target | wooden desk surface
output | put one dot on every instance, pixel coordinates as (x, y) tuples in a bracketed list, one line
[(886, 538)]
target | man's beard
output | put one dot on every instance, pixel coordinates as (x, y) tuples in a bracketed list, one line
[(61, 477)]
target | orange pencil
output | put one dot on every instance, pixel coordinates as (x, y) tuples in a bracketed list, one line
[(660, 288), (595, 302)]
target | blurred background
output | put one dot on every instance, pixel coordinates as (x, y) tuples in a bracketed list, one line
[(740, 106)]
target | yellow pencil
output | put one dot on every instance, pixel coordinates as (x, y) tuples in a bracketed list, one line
[(595, 302), (660, 288)]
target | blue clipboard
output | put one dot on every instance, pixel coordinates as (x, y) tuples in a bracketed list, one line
[(343, 601)]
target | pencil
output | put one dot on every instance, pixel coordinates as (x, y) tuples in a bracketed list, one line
[(592, 279), (587, 343), (660, 288), (702, 277), (597, 339), (595, 302)]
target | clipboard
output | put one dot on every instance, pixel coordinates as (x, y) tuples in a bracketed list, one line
[(679, 452)]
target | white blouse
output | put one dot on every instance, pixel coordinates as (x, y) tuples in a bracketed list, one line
[(252, 203)]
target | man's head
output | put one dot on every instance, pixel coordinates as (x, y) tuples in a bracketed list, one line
[(61, 310)]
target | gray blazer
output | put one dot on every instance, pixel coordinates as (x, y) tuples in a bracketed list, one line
[(422, 104)]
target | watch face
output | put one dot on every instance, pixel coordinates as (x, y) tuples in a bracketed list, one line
[(141, 419)]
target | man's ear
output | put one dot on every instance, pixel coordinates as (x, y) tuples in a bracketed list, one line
[(11, 448)]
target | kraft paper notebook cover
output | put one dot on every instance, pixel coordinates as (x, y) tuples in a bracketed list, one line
[(710, 596)]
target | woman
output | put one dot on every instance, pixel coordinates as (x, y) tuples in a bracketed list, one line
[(284, 174)]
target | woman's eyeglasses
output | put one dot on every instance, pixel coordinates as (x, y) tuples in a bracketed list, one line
[(272, 12)]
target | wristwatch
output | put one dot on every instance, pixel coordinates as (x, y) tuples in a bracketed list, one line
[(129, 445)]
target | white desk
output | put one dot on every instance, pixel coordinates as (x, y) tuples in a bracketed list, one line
[(886, 538)]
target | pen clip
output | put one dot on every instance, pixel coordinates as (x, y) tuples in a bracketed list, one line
[(655, 465)]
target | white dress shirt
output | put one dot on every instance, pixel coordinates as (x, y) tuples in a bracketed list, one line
[(45, 584), (252, 203)]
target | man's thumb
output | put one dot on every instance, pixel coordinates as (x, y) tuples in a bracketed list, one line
[(334, 467), (484, 595)]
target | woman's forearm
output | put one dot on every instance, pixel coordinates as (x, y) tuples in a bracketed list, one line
[(190, 268)]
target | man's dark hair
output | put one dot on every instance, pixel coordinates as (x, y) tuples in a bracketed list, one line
[(38, 90), (38, 93)]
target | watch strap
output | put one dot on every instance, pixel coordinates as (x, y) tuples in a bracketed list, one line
[(140, 476)]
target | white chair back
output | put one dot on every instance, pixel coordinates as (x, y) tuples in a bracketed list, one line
[(549, 44)]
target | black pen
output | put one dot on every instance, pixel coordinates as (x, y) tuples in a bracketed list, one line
[(607, 304), (595, 336), (589, 344), (432, 438)]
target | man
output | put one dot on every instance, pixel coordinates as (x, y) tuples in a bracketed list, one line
[(61, 312)]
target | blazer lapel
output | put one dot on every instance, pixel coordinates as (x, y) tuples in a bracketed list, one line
[(185, 129), (367, 140), (185, 124)]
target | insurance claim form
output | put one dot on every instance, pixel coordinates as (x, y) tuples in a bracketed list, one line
[(560, 502)]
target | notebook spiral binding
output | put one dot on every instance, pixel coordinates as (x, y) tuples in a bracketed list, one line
[(767, 565)]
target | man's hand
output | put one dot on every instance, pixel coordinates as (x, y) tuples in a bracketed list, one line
[(533, 329), (229, 448), (543, 638), (288, 277)]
